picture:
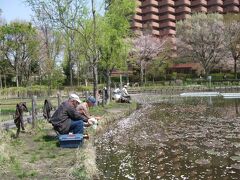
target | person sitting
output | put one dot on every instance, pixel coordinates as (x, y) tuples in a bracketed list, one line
[(67, 119), (83, 108), (117, 94), (124, 91), (125, 97)]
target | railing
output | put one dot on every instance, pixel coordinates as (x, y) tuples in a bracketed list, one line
[(169, 88)]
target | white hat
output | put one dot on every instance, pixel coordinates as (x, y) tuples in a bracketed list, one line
[(75, 97), (125, 86)]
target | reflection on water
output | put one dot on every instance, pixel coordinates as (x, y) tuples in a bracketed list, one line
[(192, 138)]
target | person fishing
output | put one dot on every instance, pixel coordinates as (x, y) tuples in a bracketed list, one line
[(67, 119), (83, 108)]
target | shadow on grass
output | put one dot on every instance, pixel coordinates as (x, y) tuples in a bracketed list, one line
[(51, 138)]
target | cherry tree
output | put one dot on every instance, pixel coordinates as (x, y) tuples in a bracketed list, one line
[(145, 49), (201, 38), (232, 38)]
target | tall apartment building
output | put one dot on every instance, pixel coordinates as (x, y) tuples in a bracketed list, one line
[(158, 17)]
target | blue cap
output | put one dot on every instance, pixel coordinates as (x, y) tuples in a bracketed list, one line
[(91, 99)]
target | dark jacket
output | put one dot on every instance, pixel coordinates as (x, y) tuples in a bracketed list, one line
[(61, 119)]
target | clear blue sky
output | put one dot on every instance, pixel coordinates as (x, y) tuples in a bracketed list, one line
[(18, 10), (15, 10)]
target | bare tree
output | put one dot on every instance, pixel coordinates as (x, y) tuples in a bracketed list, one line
[(201, 37), (145, 49)]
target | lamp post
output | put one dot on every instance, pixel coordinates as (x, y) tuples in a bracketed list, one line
[(210, 79)]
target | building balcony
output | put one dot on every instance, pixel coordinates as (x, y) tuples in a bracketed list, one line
[(138, 10), (182, 9), (167, 32), (150, 9), (199, 9), (166, 9), (233, 9), (182, 16), (135, 24), (138, 32), (152, 32), (150, 2), (166, 2), (138, 3), (148, 17), (168, 24), (182, 2), (172, 40), (167, 17), (230, 2), (215, 2), (137, 17), (153, 24), (214, 9), (155, 32), (198, 2)]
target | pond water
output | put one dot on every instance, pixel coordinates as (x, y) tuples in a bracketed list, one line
[(184, 138)]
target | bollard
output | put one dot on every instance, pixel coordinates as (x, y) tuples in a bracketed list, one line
[(86, 94), (59, 98), (103, 97)]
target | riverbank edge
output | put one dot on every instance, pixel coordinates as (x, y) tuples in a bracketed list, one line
[(82, 160), (86, 166)]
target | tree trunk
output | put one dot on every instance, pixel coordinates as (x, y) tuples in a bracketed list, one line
[(49, 84), (95, 80), (1, 82), (17, 83), (70, 66), (78, 73), (141, 72), (235, 67), (95, 57), (5, 81), (145, 77), (108, 86)]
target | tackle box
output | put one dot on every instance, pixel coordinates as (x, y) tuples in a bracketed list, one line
[(70, 140)]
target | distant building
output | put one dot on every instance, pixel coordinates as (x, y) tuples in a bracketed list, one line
[(188, 68), (158, 17)]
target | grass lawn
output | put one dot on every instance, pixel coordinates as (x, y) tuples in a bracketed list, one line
[(8, 106)]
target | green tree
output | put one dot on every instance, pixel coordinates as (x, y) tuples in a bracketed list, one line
[(73, 17), (20, 49), (113, 43)]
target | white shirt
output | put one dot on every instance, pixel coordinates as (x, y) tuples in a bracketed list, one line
[(124, 92)]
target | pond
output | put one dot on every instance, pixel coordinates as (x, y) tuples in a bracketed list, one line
[(180, 138)]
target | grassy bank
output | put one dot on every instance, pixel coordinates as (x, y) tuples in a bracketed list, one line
[(37, 155)]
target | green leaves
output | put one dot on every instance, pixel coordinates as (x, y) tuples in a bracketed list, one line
[(19, 46)]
